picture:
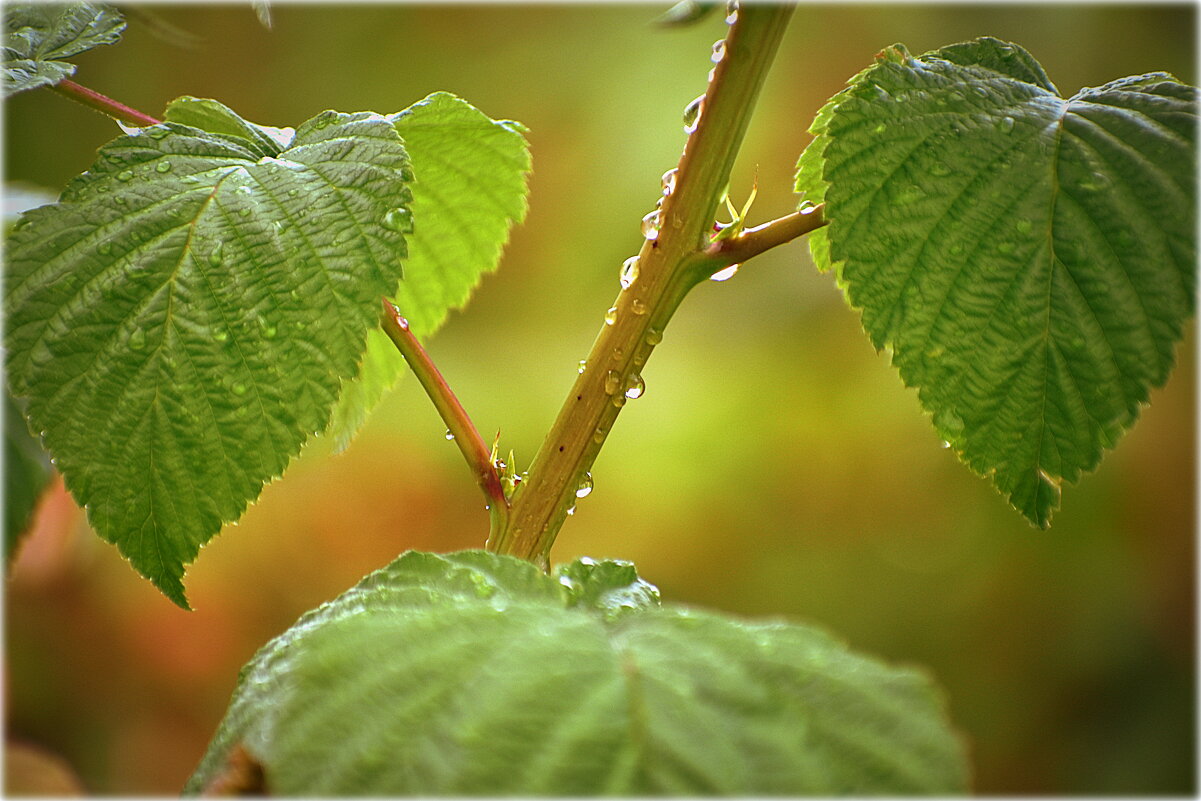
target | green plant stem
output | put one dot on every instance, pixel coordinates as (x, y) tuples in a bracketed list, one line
[(753, 241), (105, 105), (669, 266), (466, 437)]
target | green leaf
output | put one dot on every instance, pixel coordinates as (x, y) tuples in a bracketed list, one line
[(27, 471), (183, 318), (1030, 260), (470, 188), (473, 673), (37, 36)]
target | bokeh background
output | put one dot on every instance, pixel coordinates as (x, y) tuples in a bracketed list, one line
[(775, 467)]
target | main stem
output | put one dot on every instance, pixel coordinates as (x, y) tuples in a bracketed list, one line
[(668, 267)]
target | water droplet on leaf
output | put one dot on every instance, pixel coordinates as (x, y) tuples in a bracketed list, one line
[(719, 51), (1024, 226), (583, 365), (125, 175), (449, 436), (611, 315), (137, 339), (131, 130), (268, 329), (220, 334), (398, 219), (215, 254), (635, 386), (619, 401), (104, 248), (163, 166), (584, 487), (654, 336), (1006, 124), (612, 382), (638, 306)]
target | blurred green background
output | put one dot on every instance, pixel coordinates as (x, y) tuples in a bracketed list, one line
[(775, 467)]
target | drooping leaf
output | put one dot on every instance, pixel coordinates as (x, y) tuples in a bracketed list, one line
[(182, 319), (27, 471), (473, 673), (1029, 259), (470, 189), (38, 36)]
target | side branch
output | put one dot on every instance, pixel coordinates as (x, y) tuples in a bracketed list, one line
[(466, 437), (754, 241), (105, 105)]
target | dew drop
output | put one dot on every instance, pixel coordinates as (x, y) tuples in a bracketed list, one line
[(1006, 124), (618, 400), (650, 224), (269, 330), (1024, 226), (584, 487), (879, 129), (669, 181), (125, 175), (692, 114), (629, 272), (220, 334), (104, 248), (1005, 248), (163, 166), (638, 306), (946, 444), (449, 436), (635, 386), (618, 352), (654, 336), (611, 315), (939, 169), (398, 219), (582, 366), (571, 509), (725, 274), (215, 254), (731, 12), (238, 388), (137, 339), (807, 207), (244, 211), (132, 130), (598, 436), (719, 51), (612, 382)]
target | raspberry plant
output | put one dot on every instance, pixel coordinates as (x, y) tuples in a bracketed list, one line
[(212, 293)]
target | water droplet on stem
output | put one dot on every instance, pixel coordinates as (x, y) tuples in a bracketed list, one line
[(629, 272), (650, 224), (692, 114), (725, 274)]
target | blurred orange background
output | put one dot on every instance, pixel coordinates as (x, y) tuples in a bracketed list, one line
[(775, 466)]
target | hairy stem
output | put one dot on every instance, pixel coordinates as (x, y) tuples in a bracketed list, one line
[(669, 265), (105, 105), (466, 437)]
